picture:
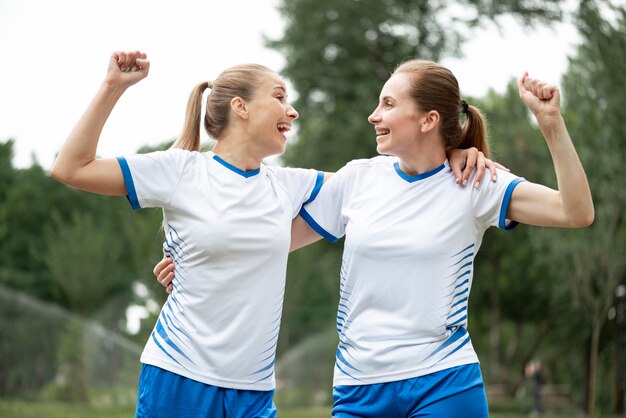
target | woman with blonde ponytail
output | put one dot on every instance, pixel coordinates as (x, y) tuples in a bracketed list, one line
[(411, 237), (227, 223)]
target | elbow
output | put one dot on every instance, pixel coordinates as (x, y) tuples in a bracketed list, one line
[(60, 174), (583, 219), (57, 173), (589, 217)]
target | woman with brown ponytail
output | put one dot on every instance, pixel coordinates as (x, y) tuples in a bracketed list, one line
[(227, 223), (411, 240)]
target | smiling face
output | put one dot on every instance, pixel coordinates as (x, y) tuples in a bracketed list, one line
[(270, 115), (396, 119)]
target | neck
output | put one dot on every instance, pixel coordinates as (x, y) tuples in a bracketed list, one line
[(238, 150), (424, 156)]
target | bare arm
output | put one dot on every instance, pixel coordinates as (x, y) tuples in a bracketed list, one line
[(76, 164), (301, 233), (571, 206)]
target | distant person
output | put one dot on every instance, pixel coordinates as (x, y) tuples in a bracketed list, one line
[(227, 222), (536, 377)]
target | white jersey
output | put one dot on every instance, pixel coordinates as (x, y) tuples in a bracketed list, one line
[(229, 233), (407, 267)]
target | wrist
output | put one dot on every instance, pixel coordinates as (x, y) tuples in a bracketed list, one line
[(551, 125), (111, 87)]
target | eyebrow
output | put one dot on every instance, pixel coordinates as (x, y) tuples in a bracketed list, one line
[(280, 87)]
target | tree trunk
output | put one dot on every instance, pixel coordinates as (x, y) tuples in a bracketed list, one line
[(593, 365)]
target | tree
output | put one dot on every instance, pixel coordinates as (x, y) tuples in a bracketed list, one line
[(339, 53), (84, 260), (596, 96), (511, 293)]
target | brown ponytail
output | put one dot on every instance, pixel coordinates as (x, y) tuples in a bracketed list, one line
[(238, 81), (434, 87), (474, 131)]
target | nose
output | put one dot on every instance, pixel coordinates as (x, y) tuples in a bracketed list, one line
[(374, 117), (292, 113)]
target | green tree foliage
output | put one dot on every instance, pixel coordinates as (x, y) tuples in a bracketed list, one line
[(520, 308), (339, 53), (84, 259), (595, 87), (7, 173), (77, 250)]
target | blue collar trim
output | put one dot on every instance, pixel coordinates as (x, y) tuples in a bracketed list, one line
[(234, 169), (417, 177)]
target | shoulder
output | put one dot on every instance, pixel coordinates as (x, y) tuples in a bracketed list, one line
[(287, 172), (364, 166), (176, 154), (381, 160)]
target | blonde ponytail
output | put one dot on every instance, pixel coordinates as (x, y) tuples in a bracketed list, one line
[(190, 136)]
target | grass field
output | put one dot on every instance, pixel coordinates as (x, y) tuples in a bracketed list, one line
[(21, 409)]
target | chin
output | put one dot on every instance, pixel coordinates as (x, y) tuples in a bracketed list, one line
[(279, 149), (381, 149)]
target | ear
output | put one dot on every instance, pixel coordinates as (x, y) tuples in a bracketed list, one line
[(430, 121), (239, 107)]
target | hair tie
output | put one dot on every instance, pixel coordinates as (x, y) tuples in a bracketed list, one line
[(464, 106), (210, 84)]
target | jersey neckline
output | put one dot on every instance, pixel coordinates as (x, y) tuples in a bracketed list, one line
[(417, 177), (243, 173)]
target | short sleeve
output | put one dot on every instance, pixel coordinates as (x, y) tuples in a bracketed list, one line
[(491, 200), (151, 179), (302, 185), (324, 214)]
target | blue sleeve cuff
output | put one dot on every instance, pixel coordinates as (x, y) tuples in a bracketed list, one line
[(130, 185), (318, 185), (316, 227), (505, 206)]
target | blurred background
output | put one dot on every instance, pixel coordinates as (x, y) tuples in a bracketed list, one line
[(77, 295)]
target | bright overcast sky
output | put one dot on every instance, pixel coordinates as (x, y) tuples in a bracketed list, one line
[(55, 53)]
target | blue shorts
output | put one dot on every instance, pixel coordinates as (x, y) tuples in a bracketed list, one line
[(458, 392), (166, 394)]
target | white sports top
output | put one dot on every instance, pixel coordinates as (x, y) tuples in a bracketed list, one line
[(407, 265), (229, 232)]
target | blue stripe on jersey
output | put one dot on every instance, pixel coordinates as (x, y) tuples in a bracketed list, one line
[(465, 341), (417, 177), (234, 169), (264, 377), (269, 366), (505, 205), (461, 260), (458, 334), (130, 185), (341, 358), (463, 250), (161, 331), (164, 350), (460, 301), (316, 227), (458, 321), (318, 185), (345, 372)]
